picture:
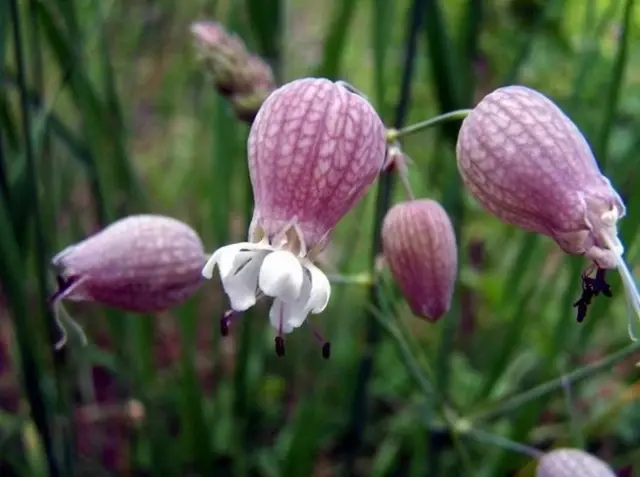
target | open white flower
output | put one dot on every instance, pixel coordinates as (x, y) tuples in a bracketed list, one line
[(250, 270)]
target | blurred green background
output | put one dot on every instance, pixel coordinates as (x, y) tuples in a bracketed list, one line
[(105, 110)]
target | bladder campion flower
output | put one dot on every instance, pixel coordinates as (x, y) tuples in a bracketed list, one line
[(572, 463), (525, 161), (314, 149), (141, 263), (419, 245)]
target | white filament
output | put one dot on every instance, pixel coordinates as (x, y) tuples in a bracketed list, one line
[(62, 317), (631, 291)]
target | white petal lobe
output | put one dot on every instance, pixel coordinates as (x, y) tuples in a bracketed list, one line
[(320, 290), (279, 310), (281, 276), (241, 285)]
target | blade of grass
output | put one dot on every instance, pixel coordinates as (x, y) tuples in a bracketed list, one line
[(267, 23), (29, 348), (443, 64), (334, 45), (470, 45), (126, 176), (601, 148), (195, 435), (383, 202), (527, 46), (63, 437), (383, 16), (306, 432), (591, 50), (513, 403), (5, 120)]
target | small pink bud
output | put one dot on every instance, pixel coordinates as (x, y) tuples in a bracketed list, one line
[(525, 161), (245, 79), (315, 148), (572, 463), (419, 245), (141, 263)]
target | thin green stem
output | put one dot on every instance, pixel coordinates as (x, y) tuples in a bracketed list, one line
[(416, 371), (504, 443), (364, 278), (32, 187), (515, 402), (574, 418), (615, 86), (394, 134)]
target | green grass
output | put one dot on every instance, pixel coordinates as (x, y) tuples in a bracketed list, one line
[(105, 111)]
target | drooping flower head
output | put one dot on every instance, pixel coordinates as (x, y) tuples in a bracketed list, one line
[(419, 245), (141, 263), (525, 161), (314, 149), (572, 463)]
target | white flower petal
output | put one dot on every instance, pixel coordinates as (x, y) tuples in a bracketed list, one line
[(276, 317), (225, 257), (239, 266), (314, 297), (320, 290), (241, 286), (295, 314), (281, 276)]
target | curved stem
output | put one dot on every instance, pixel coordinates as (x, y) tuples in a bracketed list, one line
[(394, 134), (503, 442), (457, 427), (574, 377), (363, 278), (406, 185)]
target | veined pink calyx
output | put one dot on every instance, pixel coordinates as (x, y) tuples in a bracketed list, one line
[(526, 162), (314, 150), (145, 263), (567, 462)]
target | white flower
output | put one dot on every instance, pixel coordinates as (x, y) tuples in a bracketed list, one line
[(249, 270)]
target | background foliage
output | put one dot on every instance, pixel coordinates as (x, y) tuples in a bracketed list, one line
[(105, 111)]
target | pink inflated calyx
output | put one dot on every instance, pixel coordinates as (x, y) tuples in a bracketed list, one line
[(315, 148), (572, 463), (419, 246), (526, 162), (141, 263)]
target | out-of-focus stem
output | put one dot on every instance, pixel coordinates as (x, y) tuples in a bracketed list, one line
[(383, 202), (364, 278), (394, 134), (515, 402)]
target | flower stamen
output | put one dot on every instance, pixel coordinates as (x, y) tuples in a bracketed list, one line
[(226, 321), (279, 341), (66, 286), (318, 335)]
